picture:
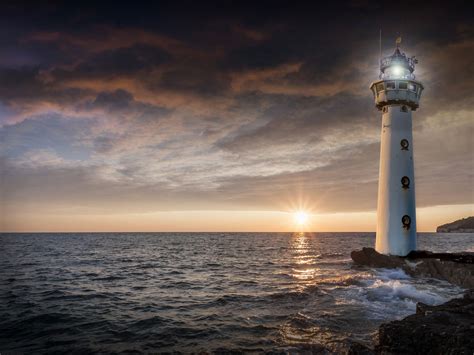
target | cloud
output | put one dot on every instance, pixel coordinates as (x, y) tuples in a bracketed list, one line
[(107, 39), (303, 120), (117, 62), (224, 111)]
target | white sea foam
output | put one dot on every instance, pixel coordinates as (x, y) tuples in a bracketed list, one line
[(399, 290), (392, 274), (392, 294)]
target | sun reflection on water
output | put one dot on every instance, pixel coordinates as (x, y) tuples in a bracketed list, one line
[(304, 259)]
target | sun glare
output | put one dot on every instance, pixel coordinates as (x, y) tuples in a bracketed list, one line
[(301, 218)]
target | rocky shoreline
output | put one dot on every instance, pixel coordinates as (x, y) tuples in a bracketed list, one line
[(456, 268), (444, 329)]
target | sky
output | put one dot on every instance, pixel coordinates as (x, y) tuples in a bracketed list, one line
[(225, 116)]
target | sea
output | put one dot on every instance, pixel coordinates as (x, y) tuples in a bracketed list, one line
[(223, 293)]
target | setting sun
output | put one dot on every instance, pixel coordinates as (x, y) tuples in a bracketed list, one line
[(301, 217)]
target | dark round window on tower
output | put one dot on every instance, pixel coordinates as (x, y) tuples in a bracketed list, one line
[(406, 221), (405, 182), (404, 143)]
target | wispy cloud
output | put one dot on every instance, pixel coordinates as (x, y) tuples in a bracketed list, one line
[(224, 113)]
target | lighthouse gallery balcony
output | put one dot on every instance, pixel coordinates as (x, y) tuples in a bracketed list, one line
[(403, 92)]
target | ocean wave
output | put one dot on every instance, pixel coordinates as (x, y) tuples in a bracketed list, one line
[(395, 289), (110, 278), (150, 322), (148, 293)]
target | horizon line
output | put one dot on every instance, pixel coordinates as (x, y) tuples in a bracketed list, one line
[(213, 232)]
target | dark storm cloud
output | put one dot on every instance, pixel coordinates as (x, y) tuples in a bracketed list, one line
[(122, 102), (195, 79), (20, 83), (119, 99), (26, 92), (331, 62), (260, 55), (155, 102), (118, 62)]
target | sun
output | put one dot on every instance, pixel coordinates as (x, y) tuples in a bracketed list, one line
[(301, 217)]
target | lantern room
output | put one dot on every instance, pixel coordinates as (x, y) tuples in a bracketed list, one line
[(397, 84)]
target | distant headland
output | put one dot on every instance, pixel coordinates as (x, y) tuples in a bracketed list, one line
[(464, 225)]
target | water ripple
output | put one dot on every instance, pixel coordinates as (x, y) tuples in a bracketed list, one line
[(192, 292)]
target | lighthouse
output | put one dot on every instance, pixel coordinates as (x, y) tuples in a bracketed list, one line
[(397, 95)]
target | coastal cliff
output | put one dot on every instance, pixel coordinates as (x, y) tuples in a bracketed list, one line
[(465, 225), (442, 329)]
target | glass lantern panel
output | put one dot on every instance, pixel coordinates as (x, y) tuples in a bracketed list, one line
[(412, 87)]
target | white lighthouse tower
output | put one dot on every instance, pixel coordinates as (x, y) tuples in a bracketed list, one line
[(396, 94)]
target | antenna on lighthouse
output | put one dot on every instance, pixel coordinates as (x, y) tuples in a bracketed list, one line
[(380, 45)]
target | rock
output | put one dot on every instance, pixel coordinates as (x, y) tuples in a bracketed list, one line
[(457, 268), (369, 257), (453, 272), (443, 329), (464, 258), (422, 308), (360, 349)]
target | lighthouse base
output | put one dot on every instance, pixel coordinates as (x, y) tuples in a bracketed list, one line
[(405, 243)]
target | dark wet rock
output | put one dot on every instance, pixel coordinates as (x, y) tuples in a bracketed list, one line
[(456, 268), (463, 258), (369, 257), (443, 329), (360, 349), (421, 308), (455, 273)]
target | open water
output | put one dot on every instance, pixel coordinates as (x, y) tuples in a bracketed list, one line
[(211, 292)]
